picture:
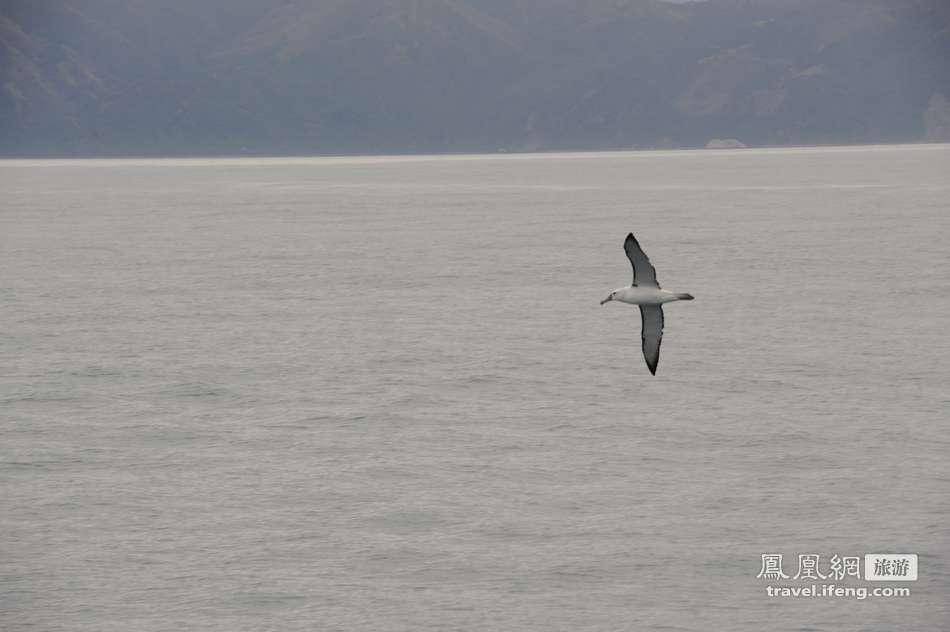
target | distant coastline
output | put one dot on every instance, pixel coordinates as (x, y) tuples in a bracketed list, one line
[(303, 158), (369, 78)]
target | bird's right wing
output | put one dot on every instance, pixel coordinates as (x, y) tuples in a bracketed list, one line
[(651, 334), (644, 274)]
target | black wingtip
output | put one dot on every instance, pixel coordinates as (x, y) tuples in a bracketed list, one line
[(652, 369), (631, 238)]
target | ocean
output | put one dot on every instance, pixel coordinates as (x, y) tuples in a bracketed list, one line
[(380, 393)]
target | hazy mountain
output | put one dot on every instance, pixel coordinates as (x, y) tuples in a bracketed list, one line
[(328, 76)]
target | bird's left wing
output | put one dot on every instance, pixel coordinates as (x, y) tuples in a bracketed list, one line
[(644, 274), (652, 334)]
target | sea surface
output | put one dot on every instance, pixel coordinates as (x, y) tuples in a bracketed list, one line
[(380, 393)]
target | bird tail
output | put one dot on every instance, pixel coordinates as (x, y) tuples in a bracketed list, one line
[(684, 297)]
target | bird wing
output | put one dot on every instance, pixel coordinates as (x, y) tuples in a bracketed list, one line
[(652, 334), (644, 274)]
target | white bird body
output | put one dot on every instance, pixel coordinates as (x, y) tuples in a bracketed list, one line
[(646, 292), (644, 295)]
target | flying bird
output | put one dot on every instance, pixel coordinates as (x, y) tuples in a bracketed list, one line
[(646, 292)]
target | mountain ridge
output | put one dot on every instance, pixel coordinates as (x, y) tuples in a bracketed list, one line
[(104, 77)]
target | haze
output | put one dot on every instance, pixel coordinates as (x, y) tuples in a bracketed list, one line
[(103, 77)]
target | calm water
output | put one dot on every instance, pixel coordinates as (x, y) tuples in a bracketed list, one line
[(380, 394)]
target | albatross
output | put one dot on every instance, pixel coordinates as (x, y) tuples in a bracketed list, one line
[(646, 292)]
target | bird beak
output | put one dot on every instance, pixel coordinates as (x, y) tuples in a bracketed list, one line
[(609, 298)]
